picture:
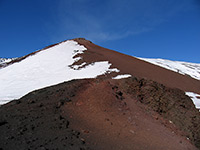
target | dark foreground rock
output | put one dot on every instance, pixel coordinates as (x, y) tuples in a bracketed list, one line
[(101, 114), (35, 122)]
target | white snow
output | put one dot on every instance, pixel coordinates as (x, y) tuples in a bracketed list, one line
[(46, 68), (195, 98), (185, 68), (122, 76)]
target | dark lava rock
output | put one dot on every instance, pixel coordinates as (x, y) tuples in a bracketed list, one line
[(3, 122), (35, 123)]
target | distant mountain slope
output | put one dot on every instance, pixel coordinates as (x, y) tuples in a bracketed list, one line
[(5, 60), (185, 68)]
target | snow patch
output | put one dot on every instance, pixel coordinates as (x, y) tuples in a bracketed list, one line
[(45, 68), (195, 98), (185, 68), (122, 76), (113, 70)]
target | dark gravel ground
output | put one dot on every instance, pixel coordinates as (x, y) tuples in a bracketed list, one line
[(34, 122)]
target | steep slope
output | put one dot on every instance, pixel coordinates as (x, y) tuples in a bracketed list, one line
[(80, 115), (139, 68), (185, 68), (149, 109), (47, 67), (68, 60)]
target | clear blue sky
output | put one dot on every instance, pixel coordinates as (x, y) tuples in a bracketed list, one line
[(167, 29)]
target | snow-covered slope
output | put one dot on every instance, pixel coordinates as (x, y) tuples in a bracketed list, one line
[(56, 64), (46, 68), (185, 68)]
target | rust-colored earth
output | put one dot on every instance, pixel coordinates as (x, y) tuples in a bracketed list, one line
[(139, 68), (148, 111), (98, 114)]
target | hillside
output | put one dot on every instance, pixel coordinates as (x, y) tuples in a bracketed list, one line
[(77, 95), (127, 114)]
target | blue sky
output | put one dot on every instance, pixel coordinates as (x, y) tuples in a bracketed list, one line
[(167, 29)]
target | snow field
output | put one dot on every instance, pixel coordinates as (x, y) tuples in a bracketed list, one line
[(185, 68), (46, 68)]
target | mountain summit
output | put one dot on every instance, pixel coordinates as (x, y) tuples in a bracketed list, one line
[(78, 59), (77, 95)]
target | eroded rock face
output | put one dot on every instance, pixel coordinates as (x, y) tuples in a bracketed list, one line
[(101, 114), (171, 104)]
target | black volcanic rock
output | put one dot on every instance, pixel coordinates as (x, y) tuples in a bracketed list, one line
[(36, 123)]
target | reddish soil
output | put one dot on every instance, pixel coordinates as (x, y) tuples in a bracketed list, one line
[(98, 114), (148, 111), (139, 68)]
